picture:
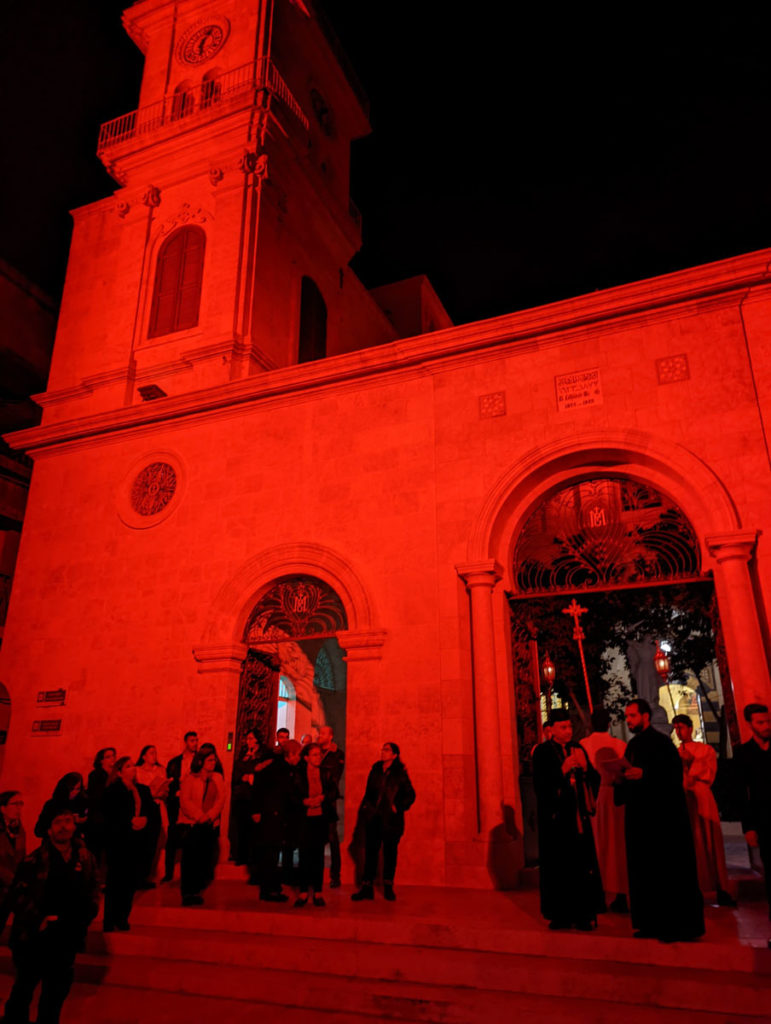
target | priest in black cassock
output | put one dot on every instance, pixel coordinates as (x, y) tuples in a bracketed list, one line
[(565, 786), (664, 893)]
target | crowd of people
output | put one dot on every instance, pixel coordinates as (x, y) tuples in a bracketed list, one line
[(113, 832), (635, 827)]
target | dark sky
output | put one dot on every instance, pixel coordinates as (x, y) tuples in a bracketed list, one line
[(518, 156)]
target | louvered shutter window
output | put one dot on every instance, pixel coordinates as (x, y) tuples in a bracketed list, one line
[(178, 276)]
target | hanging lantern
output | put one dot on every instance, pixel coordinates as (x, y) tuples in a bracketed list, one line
[(661, 663), (548, 670)]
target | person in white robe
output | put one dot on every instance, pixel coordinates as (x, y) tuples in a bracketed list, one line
[(606, 753), (699, 771)]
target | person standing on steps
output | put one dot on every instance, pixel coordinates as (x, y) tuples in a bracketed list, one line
[(54, 897), (753, 764), (565, 787), (389, 793), (177, 770), (333, 760), (664, 894), (201, 800), (606, 754), (317, 791), (699, 771)]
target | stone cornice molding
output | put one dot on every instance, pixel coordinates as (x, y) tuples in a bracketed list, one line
[(362, 645), (220, 657), (480, 574), (544, 325), (738, 546)]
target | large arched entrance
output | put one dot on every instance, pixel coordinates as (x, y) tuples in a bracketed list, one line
[(726, 547), (606, 573)]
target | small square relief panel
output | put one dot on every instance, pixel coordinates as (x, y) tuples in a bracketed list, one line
[(492, 405), (672, 369)]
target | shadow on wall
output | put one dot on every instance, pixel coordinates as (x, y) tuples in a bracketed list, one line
[(504, 853)]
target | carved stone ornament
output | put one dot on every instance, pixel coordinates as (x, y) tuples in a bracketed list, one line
[(153, 489), (248, 162), (152, 196), (122, 208), (186, 214), (216, 174), (203, 40)]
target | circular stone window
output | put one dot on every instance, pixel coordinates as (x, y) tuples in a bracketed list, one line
[(151, 490)]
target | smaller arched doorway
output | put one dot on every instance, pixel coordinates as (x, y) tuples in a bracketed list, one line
[(294, 668)]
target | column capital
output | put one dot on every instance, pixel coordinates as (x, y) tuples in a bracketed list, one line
[(362, 645), (480, 574), (220, 657), (738, 545)]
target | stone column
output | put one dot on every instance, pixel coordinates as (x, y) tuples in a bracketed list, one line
[(221, 665), (363, 653), (480, 579), (747, 656)]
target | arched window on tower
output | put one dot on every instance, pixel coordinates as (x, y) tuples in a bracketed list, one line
[(182, 101), (210, 88), (313, 323), (178, 277)]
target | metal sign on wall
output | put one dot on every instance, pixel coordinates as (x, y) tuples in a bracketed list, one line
[(52, 698), (47, 727)]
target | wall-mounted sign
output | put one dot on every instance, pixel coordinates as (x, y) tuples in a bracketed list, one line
[(51, 698), (47, 727), (578, 390)]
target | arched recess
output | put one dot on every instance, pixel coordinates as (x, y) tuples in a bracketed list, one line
[(672, 469), (726, 544), (234, 603)]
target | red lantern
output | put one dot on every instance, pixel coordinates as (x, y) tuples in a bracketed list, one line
[(548, 670), (661, 663)]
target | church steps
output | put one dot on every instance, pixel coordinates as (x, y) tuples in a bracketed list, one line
[(395, 925), (152, 984), (427, 983)]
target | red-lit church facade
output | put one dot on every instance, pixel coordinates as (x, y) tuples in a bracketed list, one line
[(216, 510)]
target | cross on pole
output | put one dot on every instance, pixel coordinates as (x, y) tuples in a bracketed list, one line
[(575, 611)]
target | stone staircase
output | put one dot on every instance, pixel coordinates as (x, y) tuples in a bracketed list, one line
[(436, 956)]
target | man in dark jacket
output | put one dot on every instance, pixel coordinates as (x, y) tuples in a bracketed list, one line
[(176, 770), (753, 764), (333, 761), (53, 899)]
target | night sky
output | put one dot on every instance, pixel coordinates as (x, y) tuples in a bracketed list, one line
[(518, 156)]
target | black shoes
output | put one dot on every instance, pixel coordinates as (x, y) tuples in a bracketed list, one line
[(319, 901), (334, 883), (725, 899), (192, 901), (273, 897), (301, 901), (388, 892), (365, 893)]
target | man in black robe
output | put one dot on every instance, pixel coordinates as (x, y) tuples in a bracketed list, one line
[(664, 893), (565, 786)]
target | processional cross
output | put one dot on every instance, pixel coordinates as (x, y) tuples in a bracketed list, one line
[(575, 611)]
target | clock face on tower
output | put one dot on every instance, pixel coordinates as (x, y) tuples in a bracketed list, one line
[(203, 41)]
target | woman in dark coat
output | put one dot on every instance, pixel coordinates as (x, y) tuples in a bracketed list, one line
[(97, 780), (13, 841), (317, 792), (130, 815), (68, 793), (388, 795)]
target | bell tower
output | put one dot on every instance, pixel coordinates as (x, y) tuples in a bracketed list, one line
[(224, 250)]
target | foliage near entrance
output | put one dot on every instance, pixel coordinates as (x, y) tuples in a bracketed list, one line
[(681, 614)]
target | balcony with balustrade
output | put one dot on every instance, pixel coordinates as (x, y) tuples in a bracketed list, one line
[(185, 108)]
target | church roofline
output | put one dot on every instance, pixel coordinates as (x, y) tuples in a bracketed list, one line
[(543, 325)]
